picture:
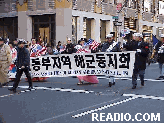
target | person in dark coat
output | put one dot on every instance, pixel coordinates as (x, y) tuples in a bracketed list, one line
[(110, 41), (142, 51), (159, 48), (111, 46), (69, 47), (23, 65), (58, 46)]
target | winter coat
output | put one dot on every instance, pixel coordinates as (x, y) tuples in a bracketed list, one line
[(140, 57), (160, 57), (106, 45), (23, 58)]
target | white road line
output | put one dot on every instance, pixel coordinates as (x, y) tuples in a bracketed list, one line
[(45, 88), (45, 120), (103, 107), (130, 79), (144, 96)]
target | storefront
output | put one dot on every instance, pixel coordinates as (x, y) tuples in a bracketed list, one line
[(9, 28), (44, 28)]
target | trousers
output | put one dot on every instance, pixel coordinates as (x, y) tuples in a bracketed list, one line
[(19, 74), (135, 75), (161, 69), (4, 68)]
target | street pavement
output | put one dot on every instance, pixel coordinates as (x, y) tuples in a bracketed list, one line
[(61, 100)]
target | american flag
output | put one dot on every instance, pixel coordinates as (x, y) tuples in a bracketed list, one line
[(94, 45), (82, 51), (89, 42)]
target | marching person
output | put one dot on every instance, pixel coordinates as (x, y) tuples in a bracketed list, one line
[(111, 46), (159, 48), (22, 64), (142, 51), (5, 60), (58, 46)]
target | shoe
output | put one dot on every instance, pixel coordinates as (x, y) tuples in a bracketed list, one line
[(80, 83), (5, 84), (110, 84), (160, 77), (12, 89), (134, 87), (113, 83), (142, 83), (30, 87)]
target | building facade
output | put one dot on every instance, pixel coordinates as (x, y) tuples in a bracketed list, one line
[(56, 20)]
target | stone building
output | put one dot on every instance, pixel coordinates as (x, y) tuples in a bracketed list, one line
[(56, 20)]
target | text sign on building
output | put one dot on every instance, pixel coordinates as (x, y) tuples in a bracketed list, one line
[(161, 7), (114, 17), (116, 23)]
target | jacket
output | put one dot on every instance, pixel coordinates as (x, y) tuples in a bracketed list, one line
[(107, 44), (5, 54), (140, 57), (23, 58), (160, 57), (70, 49)]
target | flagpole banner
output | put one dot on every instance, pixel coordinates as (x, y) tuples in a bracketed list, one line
[(118, 64)]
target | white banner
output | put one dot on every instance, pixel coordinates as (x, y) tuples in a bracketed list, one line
[(161, 7), (119, 64)]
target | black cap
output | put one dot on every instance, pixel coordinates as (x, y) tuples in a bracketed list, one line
[(2, 39)]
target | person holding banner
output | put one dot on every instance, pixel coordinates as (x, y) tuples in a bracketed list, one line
[(159, 47), (91, 79), (111, 46), (23, 65), (5, 60), (12, 67), (142, 51)]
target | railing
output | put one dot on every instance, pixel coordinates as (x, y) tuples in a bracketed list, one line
[(30, 5), (13, 7), (148, 16), (51, 4), (161, 19), (83, 5), (108, 8), (129, 12)]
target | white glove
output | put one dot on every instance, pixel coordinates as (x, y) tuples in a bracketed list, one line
[(160, 51), (162, 47), (138, 50), (124, 42)]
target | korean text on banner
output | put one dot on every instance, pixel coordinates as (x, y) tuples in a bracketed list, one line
[(118, 64)]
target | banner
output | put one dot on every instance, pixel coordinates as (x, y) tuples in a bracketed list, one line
[(161, 7), (119, 64)]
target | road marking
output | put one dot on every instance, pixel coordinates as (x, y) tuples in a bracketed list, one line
[(47, 88), (45, 120), (162, 80), (103, 107), (144, 96)]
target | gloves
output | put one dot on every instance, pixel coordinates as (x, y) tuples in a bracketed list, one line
[(160, 51), (138, 50), (124, 42)]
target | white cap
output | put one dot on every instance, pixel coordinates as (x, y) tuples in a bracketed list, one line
[(69, 39), (109, 35), (162, 35), (137, 34)]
